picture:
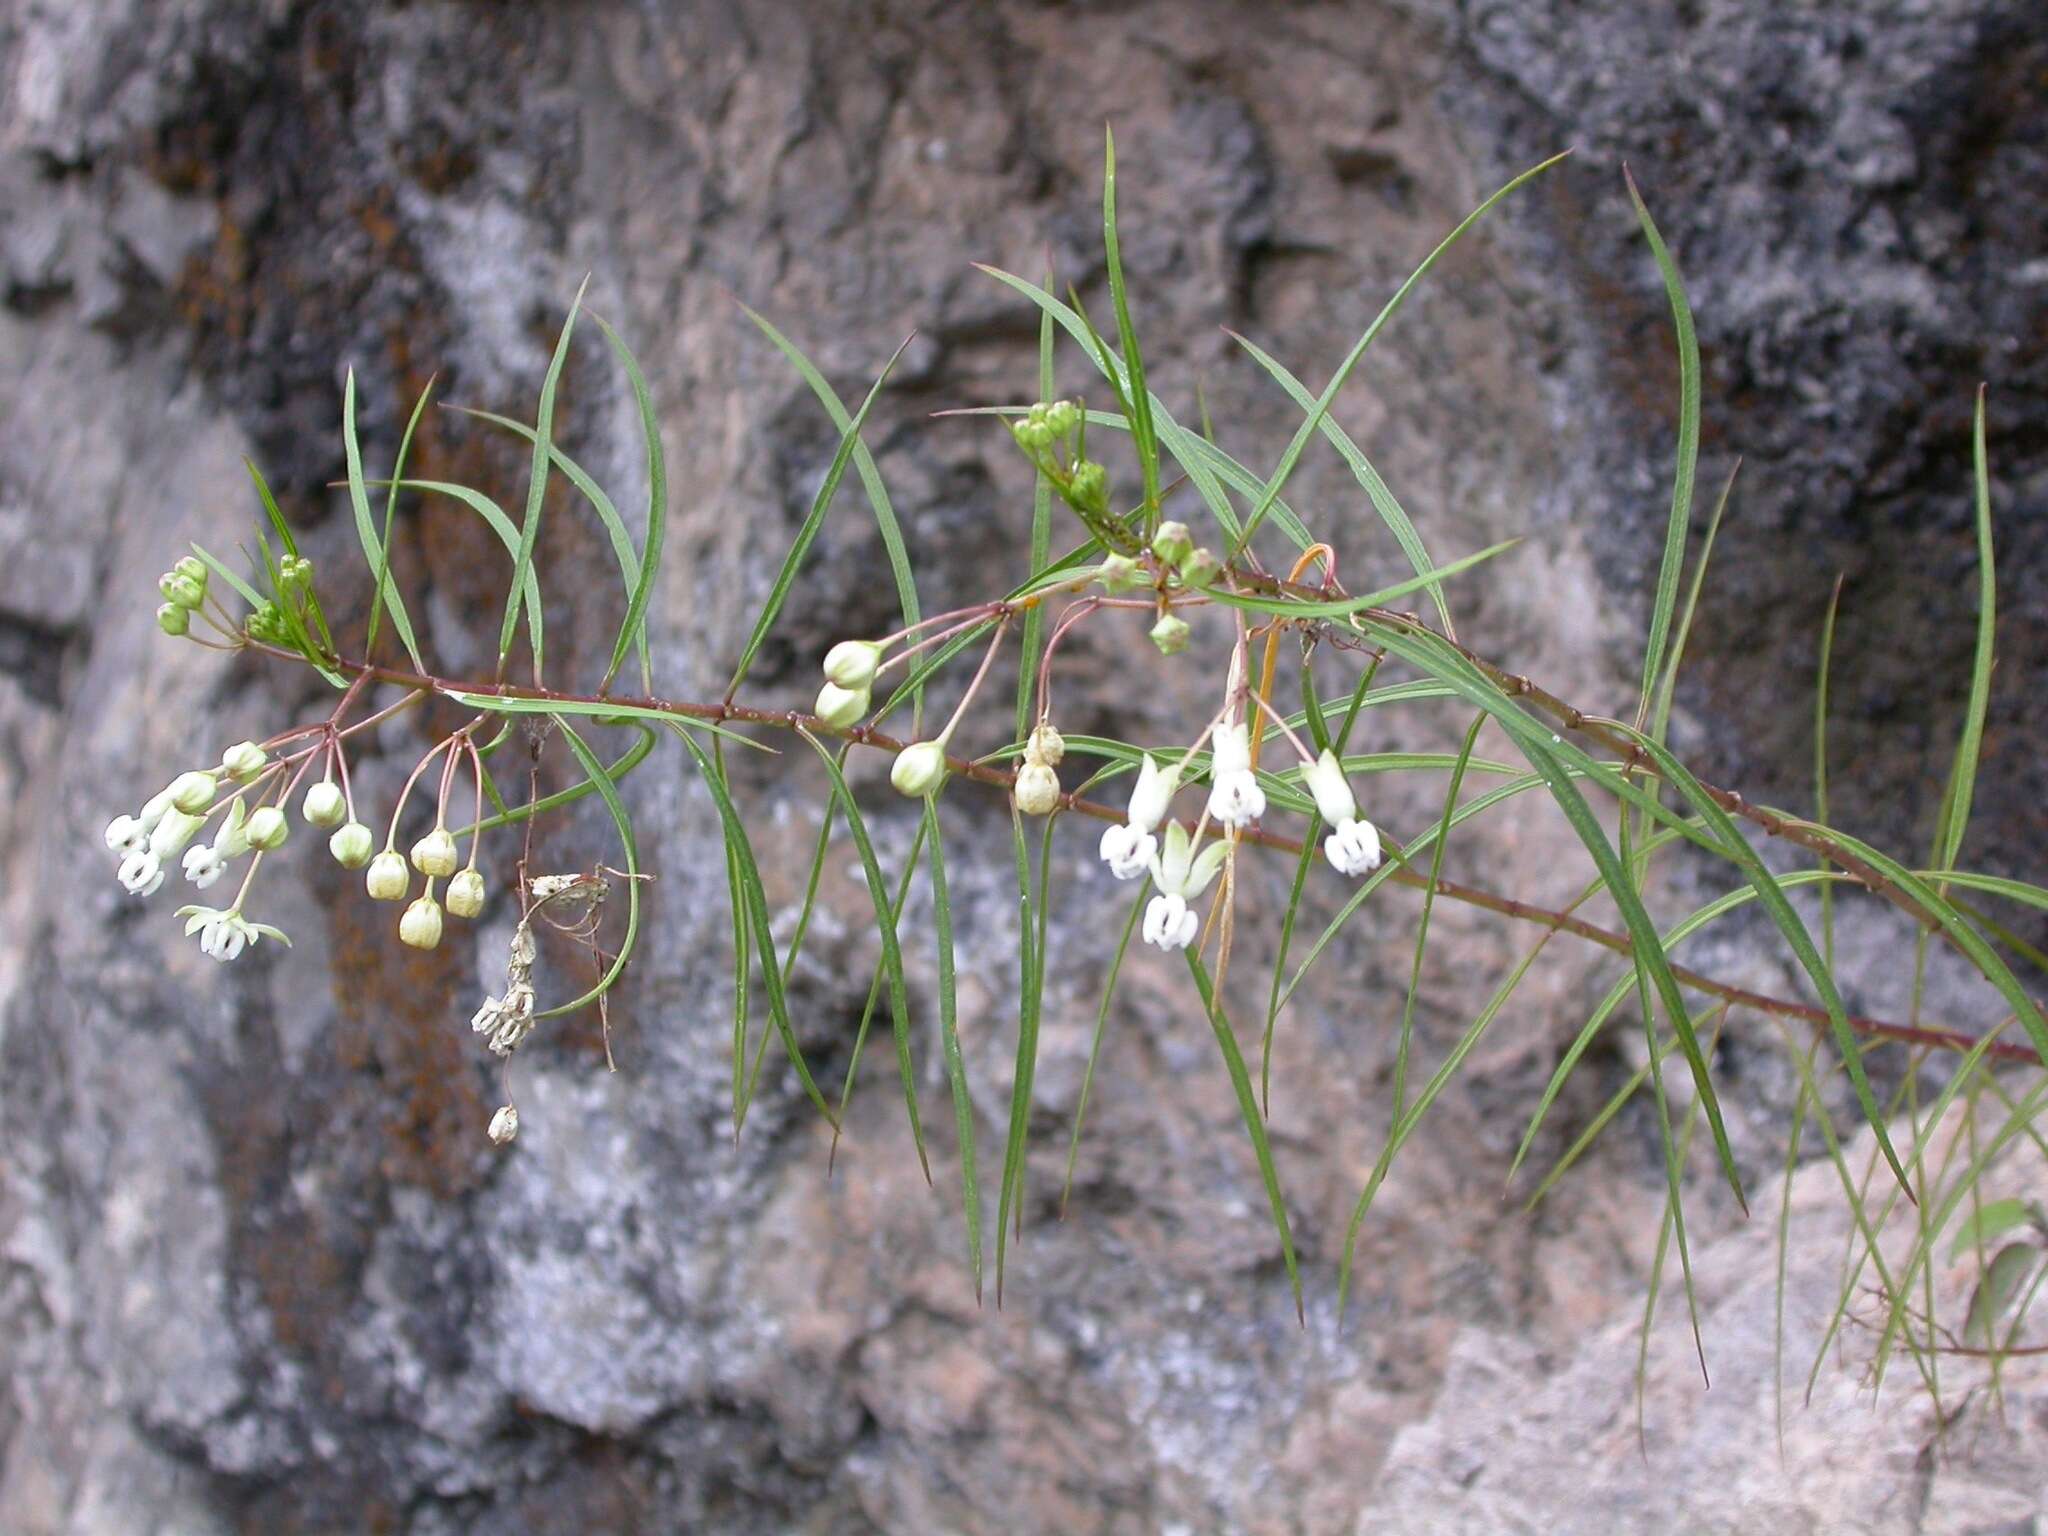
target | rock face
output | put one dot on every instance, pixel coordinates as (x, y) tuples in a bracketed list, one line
[(263, 1272)]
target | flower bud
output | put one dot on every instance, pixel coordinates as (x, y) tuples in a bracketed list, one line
[(840, 707), (1170, 634), (1037, 789), (193, 569), (243, 761), (174, 620), (1062, 416), (388, 876), (504, 1125), (851, 663), (1120, 573), (466, 894), (267, 828), (1088, 487), (420, 926), (1152, 794), (351, 846), (1334, 802), (1045, 745), (919, 768), (434, 855), (1200, 569), (1173, 543), (192, 792), (1032, 434), (180, 589), (324, 805)]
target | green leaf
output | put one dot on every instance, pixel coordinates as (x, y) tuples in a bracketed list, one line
[(1963, 775), (757, 916), (1660, 719), (599, 709), (1116, 966), (627, 762), (1995, 1292), (1989, 1222), (608, 791), (1338, 607), (384, 594), (1248, 1110), (537, 482), (863, 463), (785, 578), (1142, 432), (242, 589), (956, 1070), (1307, 429), (1680, 519), (633, 631), (892, 954), (1031, 947)]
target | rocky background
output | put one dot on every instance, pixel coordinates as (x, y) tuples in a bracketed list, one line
[(259, 1269)]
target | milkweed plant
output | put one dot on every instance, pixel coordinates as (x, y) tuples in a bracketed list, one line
[(1272, 772)]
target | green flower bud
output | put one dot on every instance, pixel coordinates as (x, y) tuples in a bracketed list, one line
[(840, 707), (852, 663), (388, 877), (421, 925), (295, 571), (1062, 416), (324, 805), (181, 589), (1032, 435), (243, 761), (919, 768), (1120, 573), (351, 846), (1200, 569), (267, 828), (1170, 634), (1173, 543), (192, 568), (1088, 488), (434, 856), (173, 619), (466, 894), (192, 793)]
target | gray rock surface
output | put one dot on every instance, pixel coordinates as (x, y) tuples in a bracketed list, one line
[(262, 1272)]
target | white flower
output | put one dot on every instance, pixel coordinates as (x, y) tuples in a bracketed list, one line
[(1354, 848), (125, 834), (352, 845), (851, 664), (1181, 875), (1235, 798), (1128, 850), (387, 878), (1169, 923), (141, 872), (1326, 781), (225, 934), (504, 1125), (204, 864), (324, 806)]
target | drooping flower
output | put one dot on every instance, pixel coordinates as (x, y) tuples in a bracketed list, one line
[(324, 805), (352, 845), (1128, 849), (466, 894), (1353, 846), (267, 828), (420, 926), (141, 872), (388, 877), (434, 854), (840, 707), (225, 933), (243, 761), (1235, 798), (1181, 875), (204, 864), (192, 792), (125, 834)]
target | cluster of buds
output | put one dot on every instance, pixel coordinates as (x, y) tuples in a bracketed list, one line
[(1054, 436), (184, 591), (434, 855), (850, 668)]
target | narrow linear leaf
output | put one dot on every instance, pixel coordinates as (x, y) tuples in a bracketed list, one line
[(595, 771), (633, 630), (956, 1069), (537, 483), (383, 593)]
